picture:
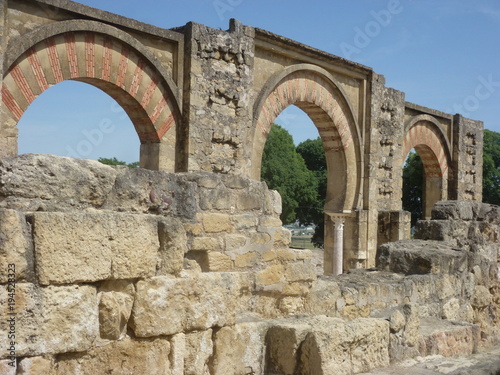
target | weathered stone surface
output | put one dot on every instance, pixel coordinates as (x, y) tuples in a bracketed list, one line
[(166, 306), (177, 353), (125, 357), (441, 337), (300, 271), (36, 366), (420, 257), (46, 182), (173, 247), (216, 222), (86, 247), (16, 247), (7, 367), (199, 349), (53, 319), (336, 347), (205, 244), (240, 349), (116, 299)]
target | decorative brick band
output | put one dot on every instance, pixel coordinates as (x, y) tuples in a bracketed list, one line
[(429, 146), (78, 60), (303, 88)]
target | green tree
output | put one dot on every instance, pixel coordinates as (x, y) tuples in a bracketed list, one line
[(314, 155), (115, 161), (284, 170), (491, 167), (413, 183)]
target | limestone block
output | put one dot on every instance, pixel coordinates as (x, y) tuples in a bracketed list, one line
[(246, 260), (283, 342), (271, 275), (247, 201), (451, 309), (282, 238), (34, 181), (125, 357), (166, 306), (270, 221), (234, 242), (240, 349), (205, 244), (397, 321), (216, 222), (114, 312), (173, 246), (245, 221), (300, 271), (16, 247), (216, 199), (323, 297), (219, 262), (7, 367), (291, 305), (481, 297), (53, 319), (87, 247), (345, 348), (36, 366), (177, 353), (199, 349), (411, 312), (273, 203)]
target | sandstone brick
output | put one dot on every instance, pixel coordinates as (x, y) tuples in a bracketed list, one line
[(87, 247), (245, 221), (246, 260), (205, 244), (234, 241), (300, 272), (121, 357), (271, 275), (16, 247), (219, 262), (216, 222), (114, 312), (282, 238), (270, 221), (269, 256), (53, 319), (246, 201), (166, 306)]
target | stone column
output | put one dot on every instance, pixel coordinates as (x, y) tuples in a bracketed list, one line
[(338, 245)]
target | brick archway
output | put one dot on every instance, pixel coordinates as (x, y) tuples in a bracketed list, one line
[(94, 54), (313, 91), (426, 137)]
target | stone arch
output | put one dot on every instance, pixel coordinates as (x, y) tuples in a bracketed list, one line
[(315, 91), (424, 134), (108, 59)]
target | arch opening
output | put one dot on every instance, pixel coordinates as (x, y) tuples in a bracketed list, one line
[(326, 105), (91, 125), (426, 139), (109, 63)]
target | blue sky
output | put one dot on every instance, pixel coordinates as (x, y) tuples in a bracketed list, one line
[(443, 54)]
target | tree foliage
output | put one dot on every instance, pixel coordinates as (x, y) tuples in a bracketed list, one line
[(413, 184), (115, 161), (491, 167), (284, 170), (314, 155)]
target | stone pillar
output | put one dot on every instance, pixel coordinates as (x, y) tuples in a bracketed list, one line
[(338, 245)]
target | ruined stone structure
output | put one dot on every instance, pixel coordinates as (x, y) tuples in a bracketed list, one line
[(182, 266)]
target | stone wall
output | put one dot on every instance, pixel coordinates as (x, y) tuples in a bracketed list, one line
[(136, 271)]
